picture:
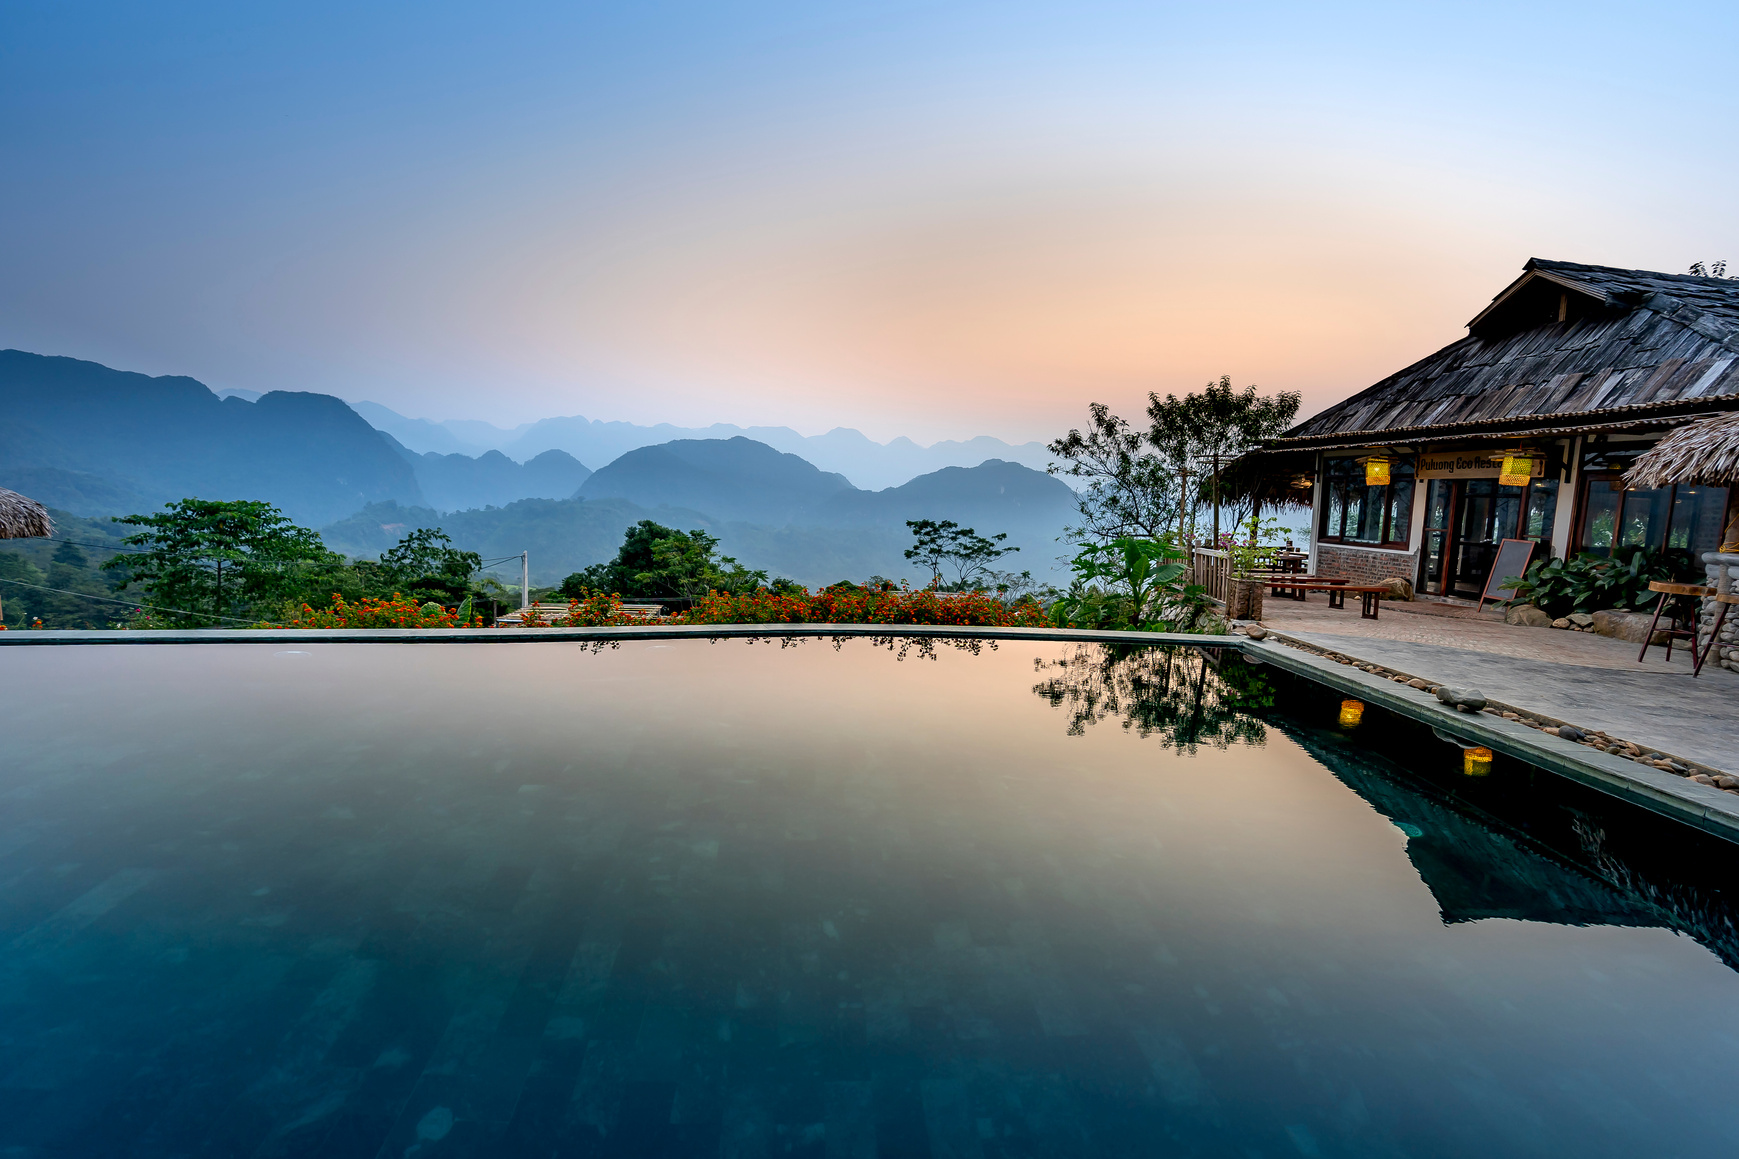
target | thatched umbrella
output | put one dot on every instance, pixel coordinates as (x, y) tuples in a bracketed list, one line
[(1704, 452), (22, 518)]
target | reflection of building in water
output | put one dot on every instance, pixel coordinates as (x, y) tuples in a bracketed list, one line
[(1478, 867)]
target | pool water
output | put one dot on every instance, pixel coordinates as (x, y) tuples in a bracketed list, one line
[(734, 899)]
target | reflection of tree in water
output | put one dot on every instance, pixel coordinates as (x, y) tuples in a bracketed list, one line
[(1186, 696)]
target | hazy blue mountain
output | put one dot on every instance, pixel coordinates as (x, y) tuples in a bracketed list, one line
[(859, 458), (419, 435), (801, 522), (104, 442), (457, 482), (995, 491), (732, 480)]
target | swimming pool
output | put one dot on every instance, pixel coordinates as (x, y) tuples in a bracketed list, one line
[(739, 899)]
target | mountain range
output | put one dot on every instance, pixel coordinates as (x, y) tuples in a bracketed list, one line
[(847, 452), (94, 441)]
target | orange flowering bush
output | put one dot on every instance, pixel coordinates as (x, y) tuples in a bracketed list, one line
[(370, 612), (842, 605), (592, 610)]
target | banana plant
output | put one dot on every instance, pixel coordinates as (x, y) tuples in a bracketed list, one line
[(1141, 577)]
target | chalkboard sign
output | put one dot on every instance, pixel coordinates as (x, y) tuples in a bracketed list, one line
[(1511, 563)]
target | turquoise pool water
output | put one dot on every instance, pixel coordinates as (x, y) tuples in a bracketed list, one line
[(734, 899)]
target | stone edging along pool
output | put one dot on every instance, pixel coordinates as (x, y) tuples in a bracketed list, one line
[(1703, 806)]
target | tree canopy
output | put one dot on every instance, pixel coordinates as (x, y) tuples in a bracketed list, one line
[(214, 561), (658, 562), (947, 546), (1214, 427)]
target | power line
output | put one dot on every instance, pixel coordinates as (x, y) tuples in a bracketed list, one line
[(132, 604), (114, 546)]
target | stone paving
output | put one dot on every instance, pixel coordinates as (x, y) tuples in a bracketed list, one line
[(1590, 680)]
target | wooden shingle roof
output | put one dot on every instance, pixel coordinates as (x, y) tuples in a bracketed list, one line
[(1563, 347)]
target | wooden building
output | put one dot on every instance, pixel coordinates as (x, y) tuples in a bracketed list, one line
[(1569, 375)]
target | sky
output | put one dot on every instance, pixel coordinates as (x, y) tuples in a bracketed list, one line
[(931, 219)]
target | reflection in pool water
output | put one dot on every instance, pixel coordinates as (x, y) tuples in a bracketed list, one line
[(732, 899)]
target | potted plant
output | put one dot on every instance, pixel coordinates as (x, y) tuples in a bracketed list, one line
[(1244, 557)]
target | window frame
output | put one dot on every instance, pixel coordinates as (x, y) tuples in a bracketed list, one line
[(1388, 540)]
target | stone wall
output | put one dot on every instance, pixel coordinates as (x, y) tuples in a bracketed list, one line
[(1721, 570), (1336, 561)]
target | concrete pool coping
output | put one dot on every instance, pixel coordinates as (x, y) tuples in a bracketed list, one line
[(1705, 807)]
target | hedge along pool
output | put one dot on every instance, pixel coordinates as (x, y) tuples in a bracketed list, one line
[(739, 899)]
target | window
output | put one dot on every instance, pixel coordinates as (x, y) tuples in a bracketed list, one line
[(1681, 515), (1356, 512)]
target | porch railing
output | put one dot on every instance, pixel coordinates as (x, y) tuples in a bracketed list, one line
[(1210, 568)]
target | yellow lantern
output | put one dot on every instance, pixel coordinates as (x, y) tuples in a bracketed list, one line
[(1476, 762), (1376, 472), (1518, 469), (1351, 712)]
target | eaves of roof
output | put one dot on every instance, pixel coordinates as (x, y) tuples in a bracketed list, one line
[(1640, 416)]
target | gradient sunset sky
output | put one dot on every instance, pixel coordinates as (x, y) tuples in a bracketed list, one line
[(928, 219)]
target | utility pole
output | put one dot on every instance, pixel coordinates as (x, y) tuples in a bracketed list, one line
[(524, 580)]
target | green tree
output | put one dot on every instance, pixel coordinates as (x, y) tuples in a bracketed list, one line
[(688, 565), (426, 566), (969, 555), (655, 562), (1216, 426), (215, 561), (1128, 488)]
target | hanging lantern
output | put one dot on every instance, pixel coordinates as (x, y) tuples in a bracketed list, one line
[(1518, 469), (1351, 712), (1376, 472), (1476, 762)]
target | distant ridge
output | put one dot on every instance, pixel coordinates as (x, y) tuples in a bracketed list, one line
[(97, 441), (772, 510), (732, 480), (867, 463)]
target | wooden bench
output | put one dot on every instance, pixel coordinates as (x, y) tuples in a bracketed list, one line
[(1370, 595), (1281, 585)]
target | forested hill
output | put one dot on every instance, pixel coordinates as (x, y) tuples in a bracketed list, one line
[(92, 440), (733, 480)]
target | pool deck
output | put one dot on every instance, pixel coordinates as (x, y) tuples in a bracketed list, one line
[(1574, 677), (1581, 678)]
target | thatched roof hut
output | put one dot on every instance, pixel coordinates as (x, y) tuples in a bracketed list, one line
[(1705, 452), (22, 518)]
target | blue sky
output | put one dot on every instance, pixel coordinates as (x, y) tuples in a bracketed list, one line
[(930, 219)]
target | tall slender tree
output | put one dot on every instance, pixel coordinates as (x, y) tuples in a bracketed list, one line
[(1128, 487), (1217, 425)]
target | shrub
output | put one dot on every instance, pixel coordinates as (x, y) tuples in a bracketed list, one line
[(370, 612), (842, 604), (1588, 583), (589, 609)]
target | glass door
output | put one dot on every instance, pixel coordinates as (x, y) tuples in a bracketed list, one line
[(1489, 514), (1434, 562)]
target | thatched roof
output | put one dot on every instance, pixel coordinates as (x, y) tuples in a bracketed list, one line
[(1565, 346), (1706, 451), (22, 518)]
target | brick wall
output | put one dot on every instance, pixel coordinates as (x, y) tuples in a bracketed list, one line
[(1337, 561)]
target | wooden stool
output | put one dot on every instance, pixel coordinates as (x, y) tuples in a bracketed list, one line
[(1668, 591), (1723, 601)]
